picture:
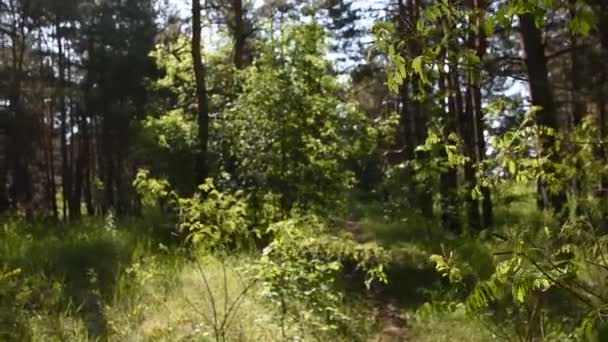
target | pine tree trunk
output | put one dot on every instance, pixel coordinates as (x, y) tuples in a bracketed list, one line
[(480, 46), (66, 179), (20, 134), (201, 93), (416, 117), (4, 203), (601, 95), (542, 95), (239, 34), (448, 180), (468, 135)]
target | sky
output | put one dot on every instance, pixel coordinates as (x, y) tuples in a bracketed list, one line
[(342, 60)]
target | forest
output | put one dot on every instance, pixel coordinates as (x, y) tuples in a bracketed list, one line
[(304, 170)]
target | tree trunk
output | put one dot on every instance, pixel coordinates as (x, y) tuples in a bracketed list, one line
[(239, 34), (66, 179), (4, 139), (542, 95), (20, 130), (80, 164), (51, 162), (448, 180), (468, 136), (201, 93), (416, 121), (106, 161), (480, 46), (600, 94)]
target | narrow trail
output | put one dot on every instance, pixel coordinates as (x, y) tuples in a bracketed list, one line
[(394, 327)]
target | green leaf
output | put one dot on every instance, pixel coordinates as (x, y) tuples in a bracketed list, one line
[(512, 167), (418, 67)]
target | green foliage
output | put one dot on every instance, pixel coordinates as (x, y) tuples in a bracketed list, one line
[(210, 218), (541, 267), (443, 152), (300, 268), (151, 190), (215, 219), (167, 141), (291, 128)]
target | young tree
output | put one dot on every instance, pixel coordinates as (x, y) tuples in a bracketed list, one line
[(291, 130)]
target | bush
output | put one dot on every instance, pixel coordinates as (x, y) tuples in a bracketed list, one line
[(300, 269)]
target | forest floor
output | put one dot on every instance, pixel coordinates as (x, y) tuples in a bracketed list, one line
[(394, 328), (119, 282)]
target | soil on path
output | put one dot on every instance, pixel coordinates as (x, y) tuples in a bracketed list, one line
[(394, 327)]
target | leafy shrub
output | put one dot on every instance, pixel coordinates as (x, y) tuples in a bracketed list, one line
[(213, 218), (210, 218), (300, 268)]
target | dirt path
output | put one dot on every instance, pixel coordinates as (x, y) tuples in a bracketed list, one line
[(393, 325)]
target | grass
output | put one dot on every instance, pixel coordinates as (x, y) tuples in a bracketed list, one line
[(429, 302), (116, 282), (436, 326), (209, 294), (130, 281)]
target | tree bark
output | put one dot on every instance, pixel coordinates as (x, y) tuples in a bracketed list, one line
[(468, 136), (19, 128), (239, 34), (201, 93), (66, 179), (448, 180), (601, 97), (480, 46), (4, 139), (542, 95)]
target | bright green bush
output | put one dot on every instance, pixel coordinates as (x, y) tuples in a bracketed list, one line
[(300, 270)]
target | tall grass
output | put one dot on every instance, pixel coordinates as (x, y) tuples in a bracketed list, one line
[(117, 281)]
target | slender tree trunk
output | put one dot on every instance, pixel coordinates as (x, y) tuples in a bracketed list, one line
[(52, 174), (106, 161), (416, 120), (4, 139), (239, 34), (66, 179), (20, 130), (449, 179), (90, 143), (480, 46), (87, 164), (542, 95), (601, 95), (468, 135), (201, 93), (80, 164)]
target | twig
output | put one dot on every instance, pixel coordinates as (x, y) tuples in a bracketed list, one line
[(211, 297)]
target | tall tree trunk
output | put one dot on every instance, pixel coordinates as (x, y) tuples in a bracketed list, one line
[(20, 129), (542, 95), (80, 164), (4, 139), (201, 93), (106, 161), (448, 180), (87, 165), (51, 163), (66, 179), (480, 46), (468, 136), (600, 91), (239, 34), (416, 120)]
